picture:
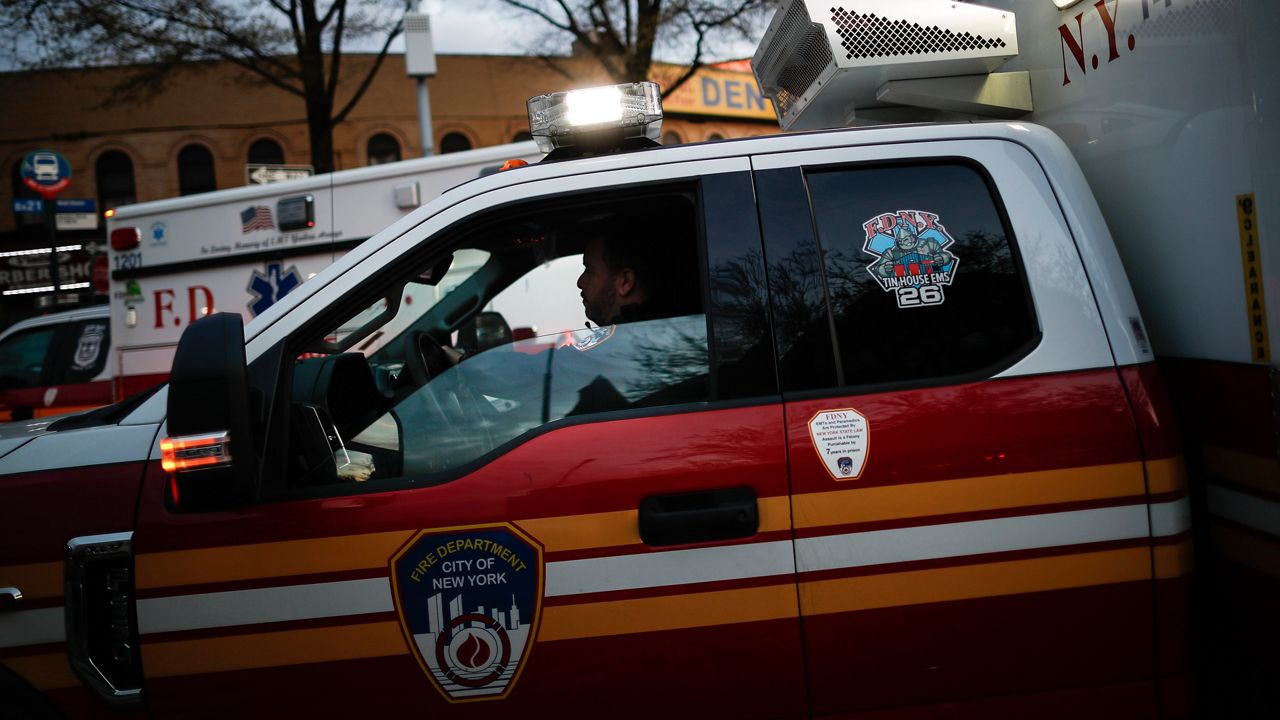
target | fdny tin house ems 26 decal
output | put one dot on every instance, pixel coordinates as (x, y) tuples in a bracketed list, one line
[(912, 259), (469, 601)]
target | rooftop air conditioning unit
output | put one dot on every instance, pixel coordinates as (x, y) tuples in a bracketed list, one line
[(820, 60)]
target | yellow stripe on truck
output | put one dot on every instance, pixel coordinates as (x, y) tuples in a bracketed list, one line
[(968, 582), (942, 497)]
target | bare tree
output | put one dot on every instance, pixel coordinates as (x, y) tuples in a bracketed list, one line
[(622, 35), (293, 45)]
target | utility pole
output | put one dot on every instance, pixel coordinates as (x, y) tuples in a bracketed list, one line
[(420, 63)]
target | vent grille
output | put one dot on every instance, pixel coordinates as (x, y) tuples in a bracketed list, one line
[(794, 59), (869, 36)]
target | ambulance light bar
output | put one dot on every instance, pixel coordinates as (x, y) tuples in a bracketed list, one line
[(596, 118)]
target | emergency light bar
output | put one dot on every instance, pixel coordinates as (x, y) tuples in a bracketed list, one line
[(193, 452), (597, 119)]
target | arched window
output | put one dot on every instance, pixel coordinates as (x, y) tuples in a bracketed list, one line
[(715, 136), (383, 148), (114, 174), (266, 152), (522, 136), (454, 142), (195, 170), (22, 192), (671, 138)]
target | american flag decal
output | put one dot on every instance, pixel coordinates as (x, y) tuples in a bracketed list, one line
[(257, 217)]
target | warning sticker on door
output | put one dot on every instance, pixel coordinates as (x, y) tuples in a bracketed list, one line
[(841, 439)]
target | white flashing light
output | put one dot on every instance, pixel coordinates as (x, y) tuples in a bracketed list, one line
[(593, 106), (598, 116)]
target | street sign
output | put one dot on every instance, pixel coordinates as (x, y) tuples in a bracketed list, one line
[(77, 220), (46, 172), (266, 174), (28, 205)]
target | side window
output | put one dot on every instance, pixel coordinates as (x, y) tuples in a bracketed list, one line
[(23, 357), (87, 345), (541, 314), (922, 275)]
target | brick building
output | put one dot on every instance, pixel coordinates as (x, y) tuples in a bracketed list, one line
[(201, 130)]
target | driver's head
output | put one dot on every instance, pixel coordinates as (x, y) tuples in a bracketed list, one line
[(615, 270)]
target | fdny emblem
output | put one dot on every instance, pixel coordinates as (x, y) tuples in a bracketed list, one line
[(594, 338), (912, 257), (89, 347), (469, 601)]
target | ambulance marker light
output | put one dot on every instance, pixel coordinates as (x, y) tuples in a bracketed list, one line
[(125, 238), (109, 214), (193, 452), (512, 164)]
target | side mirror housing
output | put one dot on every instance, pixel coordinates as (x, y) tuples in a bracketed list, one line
[(210, 452)]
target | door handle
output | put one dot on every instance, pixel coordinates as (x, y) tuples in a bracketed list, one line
[(9, 598), (702, 516)]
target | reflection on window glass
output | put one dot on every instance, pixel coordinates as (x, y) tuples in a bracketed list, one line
[(22, 358), (921, 274), (474, 347)]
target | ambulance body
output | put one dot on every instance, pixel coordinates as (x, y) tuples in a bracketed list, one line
[(243, 249)]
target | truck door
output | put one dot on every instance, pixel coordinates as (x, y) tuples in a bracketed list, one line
[(969, 499), (591, 520)]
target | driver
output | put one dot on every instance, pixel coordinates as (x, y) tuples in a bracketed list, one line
[(620, 279)]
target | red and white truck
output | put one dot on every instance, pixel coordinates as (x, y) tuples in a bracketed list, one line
[(886, 434)]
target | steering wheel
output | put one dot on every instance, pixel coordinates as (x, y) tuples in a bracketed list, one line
[(424, 358)]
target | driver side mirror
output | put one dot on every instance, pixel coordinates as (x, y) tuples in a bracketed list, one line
[(484, 331), (209, 452)]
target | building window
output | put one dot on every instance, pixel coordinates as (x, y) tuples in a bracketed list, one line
[(522, 136), (114, 174), (671, 138), (383, 148), (715, 136), (195, 170), (454, 142), (266, 152)]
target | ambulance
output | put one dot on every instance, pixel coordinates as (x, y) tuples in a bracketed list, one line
[(243, 249), (897, 443)]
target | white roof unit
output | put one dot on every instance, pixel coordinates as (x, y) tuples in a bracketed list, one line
[(820, 60)]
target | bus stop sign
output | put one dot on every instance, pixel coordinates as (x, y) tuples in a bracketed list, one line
[(46, 172)]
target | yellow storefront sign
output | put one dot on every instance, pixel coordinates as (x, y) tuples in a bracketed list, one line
[(714, 91)]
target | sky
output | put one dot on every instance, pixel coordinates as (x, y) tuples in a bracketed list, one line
[(477, 27)]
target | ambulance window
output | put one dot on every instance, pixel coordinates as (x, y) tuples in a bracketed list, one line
[(23, 356), (434, 382), (922, 277)]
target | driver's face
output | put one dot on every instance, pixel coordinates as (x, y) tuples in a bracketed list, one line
[(599, 296)]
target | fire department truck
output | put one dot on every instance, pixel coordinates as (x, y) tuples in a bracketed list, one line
[(890, 436)]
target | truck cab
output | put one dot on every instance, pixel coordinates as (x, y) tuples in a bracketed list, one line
[(885, 435), (55, 364)]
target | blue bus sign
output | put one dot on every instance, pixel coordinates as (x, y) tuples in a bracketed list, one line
[(46, 172)]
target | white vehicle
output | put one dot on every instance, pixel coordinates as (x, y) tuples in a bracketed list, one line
[(243, 249)]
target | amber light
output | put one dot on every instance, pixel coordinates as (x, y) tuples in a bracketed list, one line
[(192, 452), (512, 164)]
